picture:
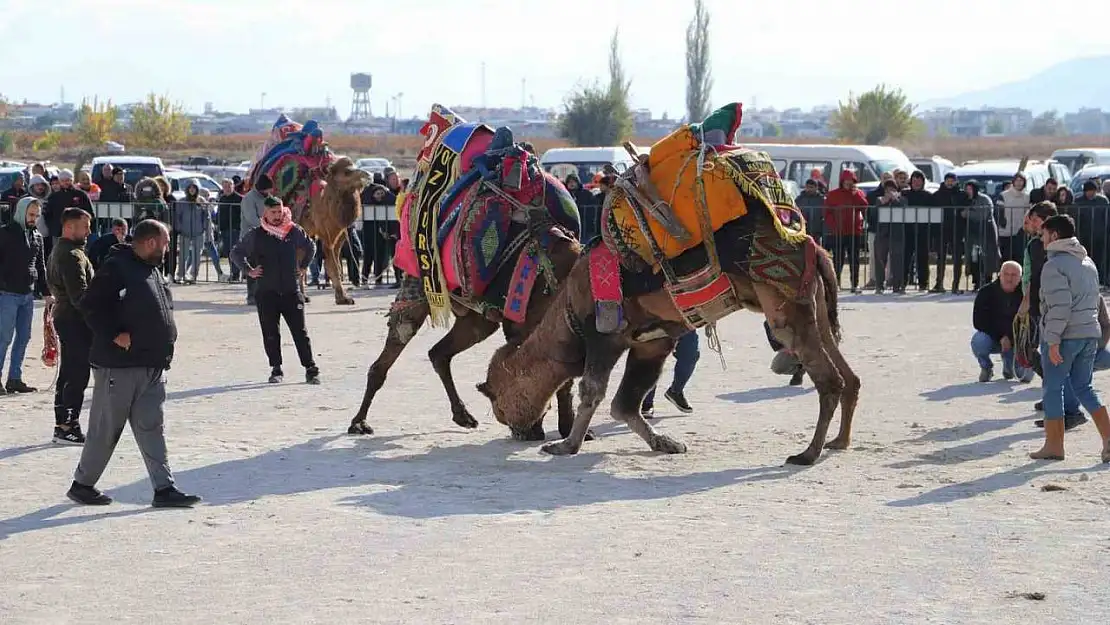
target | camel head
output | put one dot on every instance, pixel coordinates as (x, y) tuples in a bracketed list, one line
[(514, 400), (345, 177)]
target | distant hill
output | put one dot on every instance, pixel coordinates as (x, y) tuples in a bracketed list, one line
[(1065, 87)]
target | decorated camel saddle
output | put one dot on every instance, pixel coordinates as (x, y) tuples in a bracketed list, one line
[(478, 201), (297, 159), (665, 214)]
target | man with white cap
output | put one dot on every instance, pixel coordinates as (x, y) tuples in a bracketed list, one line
[(67, 196)]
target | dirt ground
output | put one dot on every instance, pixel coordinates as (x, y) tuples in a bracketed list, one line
[(934, 516)]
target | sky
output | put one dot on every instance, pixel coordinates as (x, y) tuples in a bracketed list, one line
[(787, 53)]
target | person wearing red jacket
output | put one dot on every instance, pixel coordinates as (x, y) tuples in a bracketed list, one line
[(844, 211)]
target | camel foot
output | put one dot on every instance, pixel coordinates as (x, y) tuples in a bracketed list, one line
[(838, 443), (1106, 453), (462, 418), (667, 445), (560, 448), (360, 428), (346, 300), (803, 459)]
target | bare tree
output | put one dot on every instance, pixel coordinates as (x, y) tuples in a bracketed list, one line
[(699, 74), (619, 84)]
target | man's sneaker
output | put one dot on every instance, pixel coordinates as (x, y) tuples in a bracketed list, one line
[(312, 375), (1039, 407), (17, 386), (1071, 421), (1027, 375), (87, 495), (223, 278), (679, 401), (276, 375), (938, 289), (985, 374), (796, 379), (69, 436), (170, 497), (647, 412)]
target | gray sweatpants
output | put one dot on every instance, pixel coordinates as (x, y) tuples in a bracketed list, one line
[(122, 396)]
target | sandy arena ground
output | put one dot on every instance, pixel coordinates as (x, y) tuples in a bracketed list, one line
[(934, 516)]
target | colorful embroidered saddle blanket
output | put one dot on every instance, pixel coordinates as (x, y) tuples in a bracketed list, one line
[(472, 186), (705, 182), (293, 157)]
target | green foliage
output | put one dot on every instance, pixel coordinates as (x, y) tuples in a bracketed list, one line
[(771, 129), (95, 122), (995, 127), (159, 122), (594, 116), (699, 74), (875, 116), (49, 141), (7, 142), (1047, 124)]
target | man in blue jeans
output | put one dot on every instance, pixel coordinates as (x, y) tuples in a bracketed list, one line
[(993, 318), (22, 278), (1070, 334), (686, 356)]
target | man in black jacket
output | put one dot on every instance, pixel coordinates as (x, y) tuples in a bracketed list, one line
[(68, 273), (950, 197), (22, 277), (229, 213), (67, 196), (993, 318), (276, 254), (130, 309), (99, 249)]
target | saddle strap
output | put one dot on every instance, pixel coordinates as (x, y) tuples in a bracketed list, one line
[(641, 191)]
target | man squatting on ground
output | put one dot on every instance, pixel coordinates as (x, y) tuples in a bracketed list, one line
[(1069, 336), (68, 273), (22, 278), (996, 305), (275, 255), (130, 310)]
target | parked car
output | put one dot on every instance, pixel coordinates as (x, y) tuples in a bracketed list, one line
[(1102, 172), (136, 167), (934, 167), (373, 165), (179, 180), (992, 175), (585, 162)]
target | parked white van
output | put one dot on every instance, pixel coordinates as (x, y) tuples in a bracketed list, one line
[(1078, 158), (136, 167), (869, 162), (586, 162), (934, 167)]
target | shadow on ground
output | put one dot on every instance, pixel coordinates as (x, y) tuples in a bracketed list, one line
[(468, 479), (756, 395)]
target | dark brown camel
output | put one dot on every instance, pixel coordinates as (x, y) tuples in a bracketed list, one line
[(469, 329), (521, 378)]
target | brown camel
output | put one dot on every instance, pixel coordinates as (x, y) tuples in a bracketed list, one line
[(334, 206), (521, 378), (469, 329)]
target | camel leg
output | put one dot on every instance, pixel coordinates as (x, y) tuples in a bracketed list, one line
[(402, 327), (796, 325), (467, 331), (564, 398), (850, 396), (641, 372), (602, 354), (335, 266)]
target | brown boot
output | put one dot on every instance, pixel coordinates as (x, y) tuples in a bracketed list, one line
[(1053, 448), (1102, 421)]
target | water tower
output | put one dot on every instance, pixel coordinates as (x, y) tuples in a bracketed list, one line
[(360, 103)]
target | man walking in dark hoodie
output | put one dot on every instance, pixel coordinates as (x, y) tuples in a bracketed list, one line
[(130, 309), (68, 273), (67, 196), (269, 254), (22, 277)]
